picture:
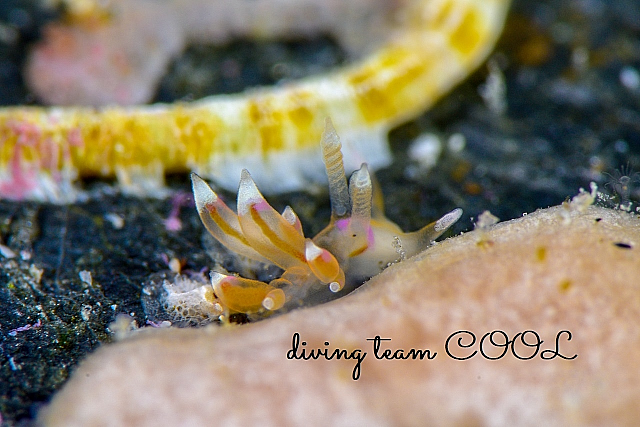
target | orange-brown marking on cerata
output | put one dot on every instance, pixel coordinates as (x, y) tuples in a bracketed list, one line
[(224, 226), (273, 238)]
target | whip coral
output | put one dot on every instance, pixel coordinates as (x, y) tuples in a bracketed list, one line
[(358, 243), (430, 45)]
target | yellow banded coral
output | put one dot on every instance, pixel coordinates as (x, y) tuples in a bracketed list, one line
[(431, 46), (358, 243)]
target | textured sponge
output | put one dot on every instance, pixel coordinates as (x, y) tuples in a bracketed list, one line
[(568, 268)]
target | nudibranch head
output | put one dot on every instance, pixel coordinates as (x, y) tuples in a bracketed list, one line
[(358, 243)]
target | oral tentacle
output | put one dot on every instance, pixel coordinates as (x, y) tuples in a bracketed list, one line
[(419, 240)]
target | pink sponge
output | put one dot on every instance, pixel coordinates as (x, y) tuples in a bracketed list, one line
[(108, 61)]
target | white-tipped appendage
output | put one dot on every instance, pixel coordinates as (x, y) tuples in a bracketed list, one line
[(292, 218), (274, 300), (248, 193), (321, 262), (448, 220), (202, 193), (335, 287)]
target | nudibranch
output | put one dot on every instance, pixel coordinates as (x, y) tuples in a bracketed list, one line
[(430, 46), (358, 243)]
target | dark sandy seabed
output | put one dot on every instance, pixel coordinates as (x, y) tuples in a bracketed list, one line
[(572, 72)]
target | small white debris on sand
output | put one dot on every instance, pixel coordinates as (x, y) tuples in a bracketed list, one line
[(6, 252), (494, 90), (579, 203), (175, 265), (85, 312), (36, 273), (456, 142), (630, 78), (123, 327), (85, 277), (116, 220), (424, 151), (485, 220)]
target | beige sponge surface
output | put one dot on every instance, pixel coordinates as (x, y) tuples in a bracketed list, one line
[(558, 273)]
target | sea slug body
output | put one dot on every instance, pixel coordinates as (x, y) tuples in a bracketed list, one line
[(431, 46), (358, 243)]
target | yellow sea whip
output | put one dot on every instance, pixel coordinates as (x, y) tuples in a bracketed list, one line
[(272, 131)]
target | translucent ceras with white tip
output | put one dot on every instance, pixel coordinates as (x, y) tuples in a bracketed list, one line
[(358, 242)]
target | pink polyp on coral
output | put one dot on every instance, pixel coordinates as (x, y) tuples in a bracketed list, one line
[(358, 243), (38, 163), (20, 181), (22, 178)]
